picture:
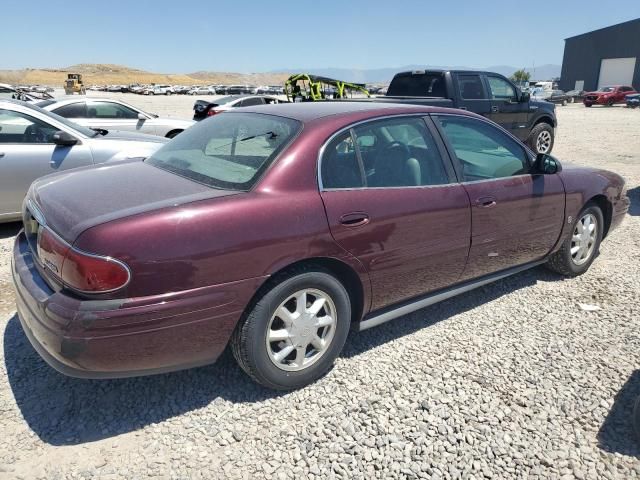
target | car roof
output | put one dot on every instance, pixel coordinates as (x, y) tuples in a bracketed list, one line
[(309, 111)]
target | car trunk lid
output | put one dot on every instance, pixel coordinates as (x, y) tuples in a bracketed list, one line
[(71, 202)]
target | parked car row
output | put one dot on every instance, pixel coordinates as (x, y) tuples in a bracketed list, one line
[(205, 108), (608, 96), (190, 89)]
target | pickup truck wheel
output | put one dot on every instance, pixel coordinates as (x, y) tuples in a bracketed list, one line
[(295, 331), (541, 138), (581, 247)]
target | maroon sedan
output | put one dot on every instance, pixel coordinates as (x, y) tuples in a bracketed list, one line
[(276, 229)]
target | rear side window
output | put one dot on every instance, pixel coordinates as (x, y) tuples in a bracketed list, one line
[(396, 152), (417, 85), (227, 151), (72, 110), (110, 110), (471, 87), (483, 151), (250, 102)]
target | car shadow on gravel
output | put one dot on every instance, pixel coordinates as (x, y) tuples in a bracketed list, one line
[(616, 435), (9, 229), (634, 196), (399, 327), (69, 411)]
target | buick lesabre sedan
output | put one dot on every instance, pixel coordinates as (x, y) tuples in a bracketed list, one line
[(277, 228)]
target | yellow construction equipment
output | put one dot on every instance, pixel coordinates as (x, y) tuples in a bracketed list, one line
[(74, 84)]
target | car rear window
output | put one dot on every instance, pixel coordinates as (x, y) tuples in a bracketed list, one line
[(229, 150)]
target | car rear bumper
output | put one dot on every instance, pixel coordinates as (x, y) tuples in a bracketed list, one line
[(128, 337)]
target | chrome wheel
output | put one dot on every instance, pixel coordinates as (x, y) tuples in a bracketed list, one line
[(543, 142), (584, 239), (301, 329)]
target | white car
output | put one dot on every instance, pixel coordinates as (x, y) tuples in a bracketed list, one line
[(34, 143), (110, 114), (208, 108), (158, 90), (202, 91)]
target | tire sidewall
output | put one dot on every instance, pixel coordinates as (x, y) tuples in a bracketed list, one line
[(535, 133), (258, 323), (580, 269)]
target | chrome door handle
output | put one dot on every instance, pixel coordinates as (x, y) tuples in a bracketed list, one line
[(494, 109), (486, 202), (354, 219)]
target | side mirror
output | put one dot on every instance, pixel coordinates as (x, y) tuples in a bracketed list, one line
[(142, 116), (525, 97), (546, 164), (63, 138)]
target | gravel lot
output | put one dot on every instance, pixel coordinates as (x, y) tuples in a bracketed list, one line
[(513, 380)]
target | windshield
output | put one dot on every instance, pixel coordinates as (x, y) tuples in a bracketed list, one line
[(229, 150), (606, 89), (87, 132)]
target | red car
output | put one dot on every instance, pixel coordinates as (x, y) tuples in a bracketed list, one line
[(607, 95), (276, 229)]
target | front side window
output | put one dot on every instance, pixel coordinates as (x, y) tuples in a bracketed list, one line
[(110, 110), (16, 127), (398, 152), (227, 151), (483, 151), (501, 89)]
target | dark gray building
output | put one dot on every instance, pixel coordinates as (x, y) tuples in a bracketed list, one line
[(609, 56)]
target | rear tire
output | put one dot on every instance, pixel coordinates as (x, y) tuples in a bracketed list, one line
[(579, 249), (279, 335), (541, 138)]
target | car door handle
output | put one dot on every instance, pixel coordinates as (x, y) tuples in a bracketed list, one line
[(1, 154), (485, 202), (494, 109), (354, 219)]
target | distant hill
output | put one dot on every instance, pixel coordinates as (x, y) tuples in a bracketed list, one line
[(384, 75), (108, 74)]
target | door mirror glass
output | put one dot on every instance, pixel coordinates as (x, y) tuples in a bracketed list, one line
[(547, 164), (525, 97), (63, 138)]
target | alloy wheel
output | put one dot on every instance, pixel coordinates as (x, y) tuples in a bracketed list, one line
[(301, 329), (584, 239), (543, 142)]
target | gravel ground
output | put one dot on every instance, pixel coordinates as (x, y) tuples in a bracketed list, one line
[(513, 380)]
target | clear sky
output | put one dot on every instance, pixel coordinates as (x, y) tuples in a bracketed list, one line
[(182, 36)]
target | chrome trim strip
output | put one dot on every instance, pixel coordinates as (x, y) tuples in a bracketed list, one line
[(438, 297)]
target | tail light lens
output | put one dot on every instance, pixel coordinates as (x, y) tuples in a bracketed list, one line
[(213, 112), (84, 272)]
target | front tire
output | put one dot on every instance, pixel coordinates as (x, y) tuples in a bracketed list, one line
[(295, 331), (580, 249), (541, 138)]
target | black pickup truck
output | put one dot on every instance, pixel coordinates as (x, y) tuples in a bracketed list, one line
[(486, 93)]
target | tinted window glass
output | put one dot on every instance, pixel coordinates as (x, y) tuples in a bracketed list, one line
[(16, 127), (227, 151), (471, 87), (501, 89), (6, 92), (73, 110), (484, 152), (340, 166), (110, 110), (251, 101), (419, 85), (396, 152)]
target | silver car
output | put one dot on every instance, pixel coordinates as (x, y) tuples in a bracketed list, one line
[(34, 142), (113, 114)]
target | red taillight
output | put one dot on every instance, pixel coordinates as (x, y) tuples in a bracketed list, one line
[(81, 271), (213, 112)]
